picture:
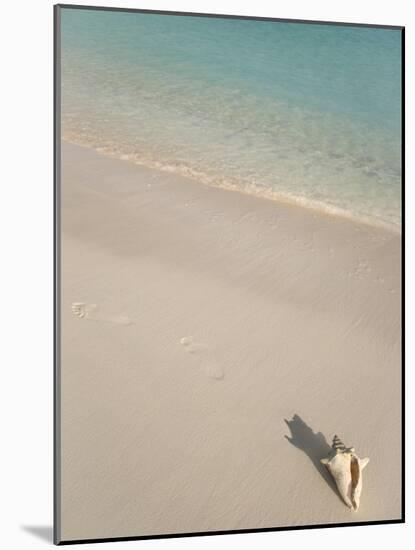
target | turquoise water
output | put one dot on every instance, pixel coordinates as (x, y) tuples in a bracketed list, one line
[(306, 113)]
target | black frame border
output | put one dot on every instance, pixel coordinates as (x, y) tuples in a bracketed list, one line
[(57, 278)]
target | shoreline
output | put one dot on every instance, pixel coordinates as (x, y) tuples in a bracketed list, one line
[(319, 207), (233, 336)]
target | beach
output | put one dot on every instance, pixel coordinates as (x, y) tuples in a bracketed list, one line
[(217, 343)]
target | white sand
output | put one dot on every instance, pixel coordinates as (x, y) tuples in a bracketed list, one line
[(210, 317)]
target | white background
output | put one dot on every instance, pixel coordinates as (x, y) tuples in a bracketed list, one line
[(26, 306)]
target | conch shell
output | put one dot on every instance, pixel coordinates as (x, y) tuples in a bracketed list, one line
[(346, 468)]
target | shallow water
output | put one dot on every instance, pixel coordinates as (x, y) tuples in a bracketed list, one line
[(309, 113)]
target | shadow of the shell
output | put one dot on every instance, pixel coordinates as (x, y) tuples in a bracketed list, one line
[(314, 445)]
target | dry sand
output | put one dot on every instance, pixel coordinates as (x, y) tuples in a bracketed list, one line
[(210, 317)]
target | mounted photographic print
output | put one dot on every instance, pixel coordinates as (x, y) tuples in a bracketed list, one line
[(228, 345)]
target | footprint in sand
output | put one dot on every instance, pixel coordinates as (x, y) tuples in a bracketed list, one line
[(204, 356), (90, 312)]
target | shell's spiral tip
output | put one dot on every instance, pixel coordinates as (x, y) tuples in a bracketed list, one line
[(338, 444)]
